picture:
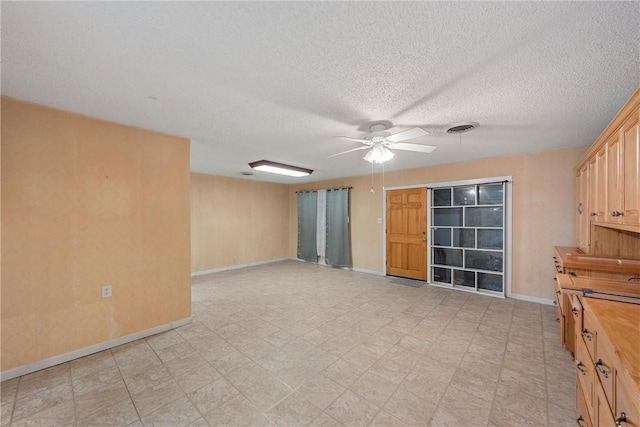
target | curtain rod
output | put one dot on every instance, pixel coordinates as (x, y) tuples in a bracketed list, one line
[(328, 189)]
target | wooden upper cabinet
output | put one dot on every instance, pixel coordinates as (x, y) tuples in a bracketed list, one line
[(631, 165), (608, 177)]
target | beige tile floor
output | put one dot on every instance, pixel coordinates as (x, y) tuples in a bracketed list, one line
[(293, 343)]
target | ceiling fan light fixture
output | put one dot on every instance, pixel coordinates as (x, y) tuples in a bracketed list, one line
[(280, 168), (378, 154), (462, 127)]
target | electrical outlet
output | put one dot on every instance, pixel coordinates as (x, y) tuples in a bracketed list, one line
[(106, 291)]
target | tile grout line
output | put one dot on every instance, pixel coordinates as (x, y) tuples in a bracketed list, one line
[(133, 402)]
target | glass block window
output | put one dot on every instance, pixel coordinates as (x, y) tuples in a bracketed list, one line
[(468, 237)]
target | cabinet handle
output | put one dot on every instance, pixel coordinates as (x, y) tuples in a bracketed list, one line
[(558, 292), (558, 319), (586, 335), (580, 367), (616, 213), (621, 419), (598, 366), (592, 214), (580, 421), (555, 302), (580, 208), (575, 312)]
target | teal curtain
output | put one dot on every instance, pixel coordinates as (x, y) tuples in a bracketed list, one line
[(307, 227), (338, 252)]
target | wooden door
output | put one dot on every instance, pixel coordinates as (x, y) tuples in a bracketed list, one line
[(631, 158), (407, 233)]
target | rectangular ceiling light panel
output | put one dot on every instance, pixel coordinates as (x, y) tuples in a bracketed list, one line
[(280, 168)]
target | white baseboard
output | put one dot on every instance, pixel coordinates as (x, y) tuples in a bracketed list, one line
[(237, 266), (364, 270), (66, 357), (532, 299)]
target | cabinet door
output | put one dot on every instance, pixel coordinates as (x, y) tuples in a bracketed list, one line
[(582, 212), (593, 188), (601, 184), (584, 418), (602, 409), (631, 177), (614, 207)]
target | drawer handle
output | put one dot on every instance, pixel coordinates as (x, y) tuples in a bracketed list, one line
[(555, 302), (592, 214), (558, 292), (580, 421), (587, 335), (621, 419), (599, 367), (580, 367), (575, 312), (558, 319), (616, 213)]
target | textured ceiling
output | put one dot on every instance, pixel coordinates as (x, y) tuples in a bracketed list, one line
[(276, 80)]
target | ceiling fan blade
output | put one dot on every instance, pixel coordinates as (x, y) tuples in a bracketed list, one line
[(364, 147), (413, 147), (348, 138), (407, 134)]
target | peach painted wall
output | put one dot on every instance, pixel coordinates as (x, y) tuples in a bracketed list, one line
[(543, 209), (237, 221), (85, 203)]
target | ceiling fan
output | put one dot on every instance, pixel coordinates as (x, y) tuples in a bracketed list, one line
[(379, 142)]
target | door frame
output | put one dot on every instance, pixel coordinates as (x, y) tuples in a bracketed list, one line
[(508, 216)]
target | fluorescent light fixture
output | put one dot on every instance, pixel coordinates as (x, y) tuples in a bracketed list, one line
[(279, 168), (378, 154)]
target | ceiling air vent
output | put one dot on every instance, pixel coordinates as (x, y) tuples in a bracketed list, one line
[(463, 127)]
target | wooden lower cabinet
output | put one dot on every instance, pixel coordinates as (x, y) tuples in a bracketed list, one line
[(607, 360)]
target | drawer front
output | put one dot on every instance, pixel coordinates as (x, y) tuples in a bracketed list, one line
[(627, 403), (603, 364), (585, 373)]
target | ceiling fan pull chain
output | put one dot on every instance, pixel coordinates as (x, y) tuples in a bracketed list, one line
[(372, 190)]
